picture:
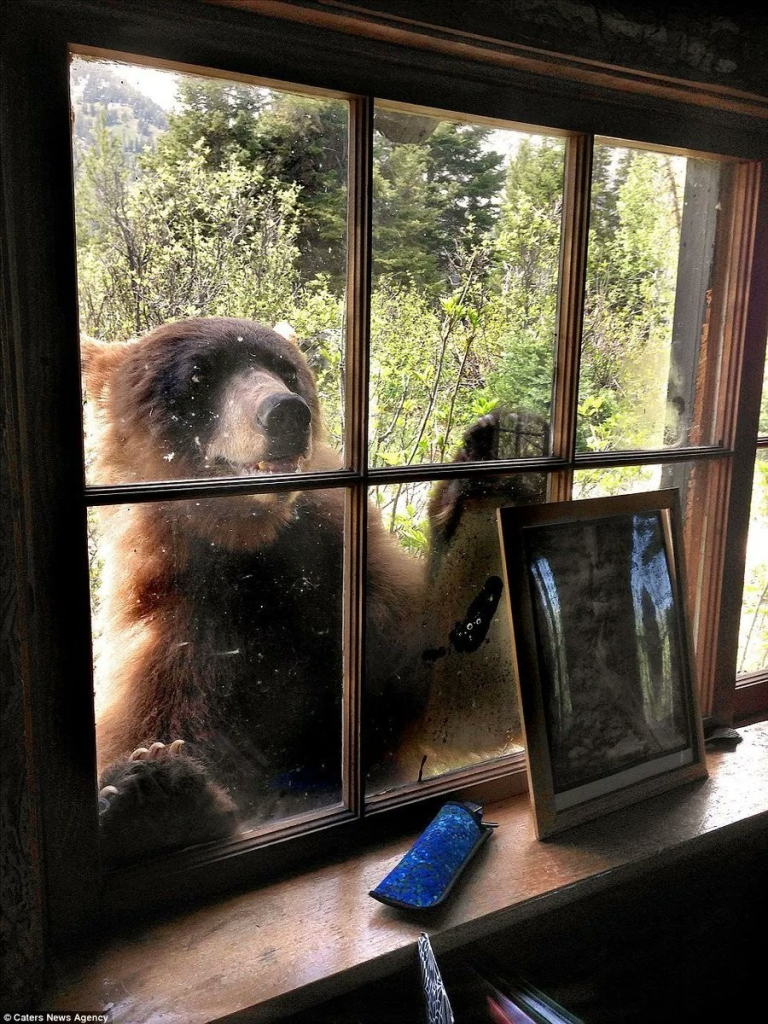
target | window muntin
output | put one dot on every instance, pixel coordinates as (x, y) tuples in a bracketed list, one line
[(230, 199), (467, 223), (560, 481), (649, 338)]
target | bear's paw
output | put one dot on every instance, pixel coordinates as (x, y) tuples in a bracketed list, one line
[(157, 799)]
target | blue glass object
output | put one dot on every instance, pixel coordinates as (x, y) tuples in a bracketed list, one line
[(423, 878)]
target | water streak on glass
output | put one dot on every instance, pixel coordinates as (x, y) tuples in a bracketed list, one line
[(452, 663)]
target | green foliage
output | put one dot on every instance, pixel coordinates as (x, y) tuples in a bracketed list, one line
[(629, 301), (181, 240), (600, 483), (465, 178), (405, 218), (430, 199), (296, 140), (222, 115), (239, 208)]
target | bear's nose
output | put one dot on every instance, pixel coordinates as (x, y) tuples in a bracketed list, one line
[(285, 418)]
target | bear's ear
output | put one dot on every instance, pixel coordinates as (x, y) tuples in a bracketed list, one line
[(98, 360), (286, 331)]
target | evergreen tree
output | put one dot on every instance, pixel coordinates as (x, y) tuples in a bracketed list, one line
[(296, 140)]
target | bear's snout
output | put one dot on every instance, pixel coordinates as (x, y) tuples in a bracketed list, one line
[(285, 419)]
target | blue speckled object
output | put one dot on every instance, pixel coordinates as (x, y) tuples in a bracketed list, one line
[(424, 876)]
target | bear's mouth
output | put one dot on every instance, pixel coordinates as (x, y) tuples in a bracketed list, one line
[(266, 467)]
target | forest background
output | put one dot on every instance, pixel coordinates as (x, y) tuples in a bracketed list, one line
[(233, 203)]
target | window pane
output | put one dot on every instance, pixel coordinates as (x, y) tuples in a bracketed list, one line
[(651, 340), (466, 242), (753, 635), (695, 482), (449, 672), (218, 622), (601, 483), (201, 197)]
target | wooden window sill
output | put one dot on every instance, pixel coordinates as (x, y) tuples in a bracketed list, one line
[(297, 942)]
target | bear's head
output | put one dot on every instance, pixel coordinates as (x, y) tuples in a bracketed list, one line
[(207, 397)]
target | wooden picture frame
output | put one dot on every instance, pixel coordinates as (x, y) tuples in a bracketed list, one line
[(602, 653)]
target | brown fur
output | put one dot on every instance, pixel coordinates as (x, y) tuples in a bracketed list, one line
[(186, 648)]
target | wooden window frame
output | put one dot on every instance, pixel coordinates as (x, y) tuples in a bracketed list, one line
[(41, 370)]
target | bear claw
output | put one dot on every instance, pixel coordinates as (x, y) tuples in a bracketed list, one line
[(105, 797), (156, 751)]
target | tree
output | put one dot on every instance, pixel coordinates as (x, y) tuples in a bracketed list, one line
[(405, 217), (241, 210), (220, 114), (428, 196), (182, 240), (465, 177), (99, 91), (297, 140), (629, 301)]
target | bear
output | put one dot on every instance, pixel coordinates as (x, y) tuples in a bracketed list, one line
[(221, 617), (471, 712), (218, 639)]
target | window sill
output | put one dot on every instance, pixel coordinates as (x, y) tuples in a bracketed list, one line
[(300, 941)]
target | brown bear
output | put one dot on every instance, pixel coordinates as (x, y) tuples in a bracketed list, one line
[(221, 617)]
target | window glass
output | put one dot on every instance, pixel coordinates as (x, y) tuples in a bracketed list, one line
[(648, 343), (207, 629), (450, 668), (600, 483), (466, 243), (695, 483), (753, 634), (202, 197), (211, 234), (684, 476)]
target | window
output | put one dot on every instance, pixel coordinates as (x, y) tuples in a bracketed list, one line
[(752, 662), (753, 654), (602, 288)]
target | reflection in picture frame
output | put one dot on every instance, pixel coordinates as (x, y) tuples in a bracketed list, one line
[(602, 653)]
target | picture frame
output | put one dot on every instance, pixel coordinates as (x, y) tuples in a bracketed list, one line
[(597, 601)]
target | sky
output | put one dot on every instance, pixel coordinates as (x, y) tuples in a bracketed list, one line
[(159, 86)]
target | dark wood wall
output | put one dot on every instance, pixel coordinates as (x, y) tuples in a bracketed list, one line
[(715, 41), (701, 41)]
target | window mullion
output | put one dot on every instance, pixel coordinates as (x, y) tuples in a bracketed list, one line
[(570, 306), (356, 435)]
